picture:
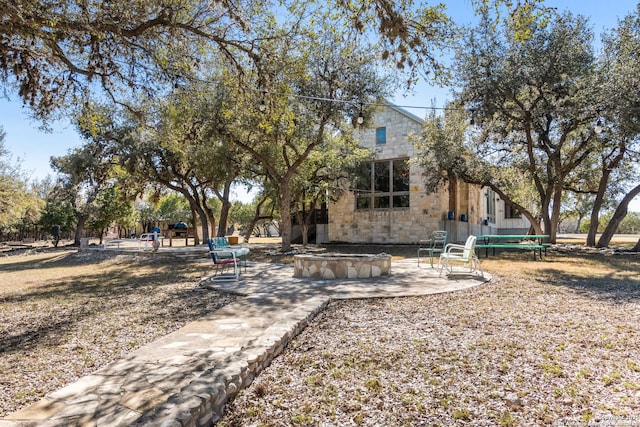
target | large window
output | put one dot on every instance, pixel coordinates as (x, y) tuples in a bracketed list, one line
[(383, 185)]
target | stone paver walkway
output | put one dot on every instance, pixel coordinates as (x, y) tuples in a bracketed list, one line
[(186, 377)]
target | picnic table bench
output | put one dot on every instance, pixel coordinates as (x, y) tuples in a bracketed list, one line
[(112, 242), (181, 232), (533, 242)]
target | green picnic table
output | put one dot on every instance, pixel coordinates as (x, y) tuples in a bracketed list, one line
[(534, 242)]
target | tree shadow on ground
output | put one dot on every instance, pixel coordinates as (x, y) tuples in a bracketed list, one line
[(46, 314), (612, 276), (54, 259), (618, 290)]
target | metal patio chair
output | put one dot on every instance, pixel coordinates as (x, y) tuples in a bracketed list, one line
[(432, 246)]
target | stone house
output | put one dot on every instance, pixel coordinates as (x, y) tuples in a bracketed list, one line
[(387, 202)]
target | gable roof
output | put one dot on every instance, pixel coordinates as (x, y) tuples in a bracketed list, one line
[(403, 111)]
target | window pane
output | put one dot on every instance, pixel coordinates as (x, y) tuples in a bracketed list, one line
[(401, 201), (362, 178), (510, 212), (363, 203), (381, 177), (381, 202), (491, 206), (400, 175), (381, 135)]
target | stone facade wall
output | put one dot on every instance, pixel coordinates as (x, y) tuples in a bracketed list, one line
[(399, 225)]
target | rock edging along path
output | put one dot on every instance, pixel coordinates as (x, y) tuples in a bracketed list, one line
[(186, 377)]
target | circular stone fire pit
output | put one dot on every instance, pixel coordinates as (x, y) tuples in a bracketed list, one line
[(341, 266)]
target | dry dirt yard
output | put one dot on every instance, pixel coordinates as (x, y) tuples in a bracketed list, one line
[(64, 314), (545, 343)]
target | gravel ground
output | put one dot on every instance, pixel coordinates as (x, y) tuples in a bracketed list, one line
[(63, 316), (548, 343), (519, 351)]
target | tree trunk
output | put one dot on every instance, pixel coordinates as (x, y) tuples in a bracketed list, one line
[(199, 213), (535, 226), (79, 229), (577, 230), (595, 222), (304, 229), (210, 230), (212, 222), (552, 231), (544, 212), (256, 217), (602, 188), (616, 219), (250, 228), (224, 218), (224, 212), (285, 210), (546, 220)]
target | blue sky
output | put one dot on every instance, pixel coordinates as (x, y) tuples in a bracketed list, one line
[(35, 147), (603, 15)]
